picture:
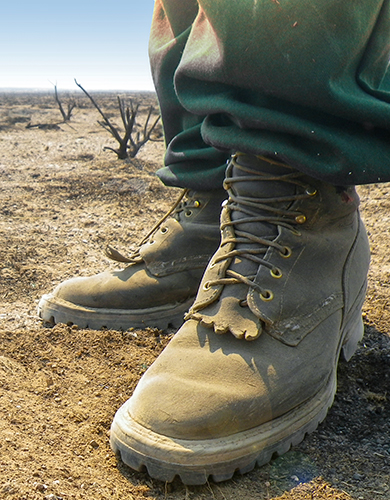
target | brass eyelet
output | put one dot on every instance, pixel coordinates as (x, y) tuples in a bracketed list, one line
[(266, 296), (196, 204), (164, 230), (206, 285), (188, 213), (276, 273), (300, 219), (286, 253), (311, 191)]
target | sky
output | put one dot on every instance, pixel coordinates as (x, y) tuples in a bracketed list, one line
[(103, 44)]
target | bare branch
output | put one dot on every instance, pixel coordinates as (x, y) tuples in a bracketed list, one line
[(70, 107), (107, 122), (133, 139)]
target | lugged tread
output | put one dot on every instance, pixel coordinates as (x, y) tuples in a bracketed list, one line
[(55, 311)]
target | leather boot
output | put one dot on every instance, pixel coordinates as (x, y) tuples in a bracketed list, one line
[(160, 281), (253, 369)]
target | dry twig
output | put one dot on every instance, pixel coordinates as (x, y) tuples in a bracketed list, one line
[(66, 115), (133, 138)]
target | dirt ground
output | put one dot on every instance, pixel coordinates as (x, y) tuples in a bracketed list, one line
[(62, 199)]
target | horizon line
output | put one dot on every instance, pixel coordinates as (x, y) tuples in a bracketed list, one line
[(48, 89)]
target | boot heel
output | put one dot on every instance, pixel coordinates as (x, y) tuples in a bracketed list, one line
[(353, 330), (354, 334)]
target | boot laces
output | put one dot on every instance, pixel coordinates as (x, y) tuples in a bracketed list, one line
[(180, 206), (276, 211)]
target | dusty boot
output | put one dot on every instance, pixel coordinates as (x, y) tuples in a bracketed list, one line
[(289, 275), (161, 279)]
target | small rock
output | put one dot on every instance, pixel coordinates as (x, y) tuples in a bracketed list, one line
[(41, 487), (324, 437), (94, 444)]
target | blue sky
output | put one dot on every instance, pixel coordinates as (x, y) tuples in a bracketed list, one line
[(103, 44)]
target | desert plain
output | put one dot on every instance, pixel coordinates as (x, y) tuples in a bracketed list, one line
[(63, 198)]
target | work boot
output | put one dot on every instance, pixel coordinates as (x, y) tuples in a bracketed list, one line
[(160, 281), (253, 369)]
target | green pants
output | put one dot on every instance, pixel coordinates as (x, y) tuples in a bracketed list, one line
[(305, 82)]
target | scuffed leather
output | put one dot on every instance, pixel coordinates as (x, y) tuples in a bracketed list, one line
[(180, 247), (310, 288), (216, 386), (166, 268)]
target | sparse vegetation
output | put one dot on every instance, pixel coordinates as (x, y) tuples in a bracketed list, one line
[(70, 105), (135, 135)]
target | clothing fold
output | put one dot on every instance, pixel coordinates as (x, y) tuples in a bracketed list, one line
[(305, 83)]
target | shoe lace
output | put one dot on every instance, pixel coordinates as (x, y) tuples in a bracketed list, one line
[(181, 205), (273, 210)]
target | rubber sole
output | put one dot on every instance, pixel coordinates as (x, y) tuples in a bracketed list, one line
[(195, 461), (55, 310)]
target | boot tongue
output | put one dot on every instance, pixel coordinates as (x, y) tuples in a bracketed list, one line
[(253, 166), (255, 173), (255, 186)]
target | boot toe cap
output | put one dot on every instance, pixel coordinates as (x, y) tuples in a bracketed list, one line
[(184, 399)]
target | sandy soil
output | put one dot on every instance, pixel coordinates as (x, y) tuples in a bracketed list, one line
[(62, 200)]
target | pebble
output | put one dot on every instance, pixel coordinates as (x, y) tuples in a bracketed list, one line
[(41, 487)]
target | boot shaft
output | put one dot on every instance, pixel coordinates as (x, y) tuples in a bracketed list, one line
[(285, 196), (300, 234)]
